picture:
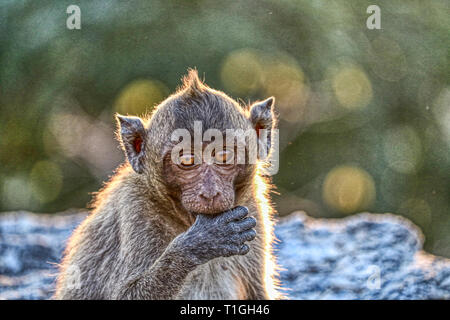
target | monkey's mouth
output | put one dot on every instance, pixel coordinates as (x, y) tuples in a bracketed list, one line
[(197, 208)]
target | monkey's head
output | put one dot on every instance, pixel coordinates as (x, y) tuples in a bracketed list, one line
[(186, 149)]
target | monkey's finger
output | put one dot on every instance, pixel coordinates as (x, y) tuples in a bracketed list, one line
[(245, 224), (236, 214), (231, 251), (248, 235), (244, 249), (200, 218)]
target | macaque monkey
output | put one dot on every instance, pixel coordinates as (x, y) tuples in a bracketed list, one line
[(187, 230)]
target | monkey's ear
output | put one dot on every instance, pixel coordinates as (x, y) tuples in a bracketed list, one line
[(263, 120), (132, 137)]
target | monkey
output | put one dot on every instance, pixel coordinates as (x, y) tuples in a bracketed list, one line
[(165, 230)]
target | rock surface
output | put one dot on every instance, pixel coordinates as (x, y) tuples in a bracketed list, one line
[(366, 256)]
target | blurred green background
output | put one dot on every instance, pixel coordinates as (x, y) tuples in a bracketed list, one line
[(364, 114)]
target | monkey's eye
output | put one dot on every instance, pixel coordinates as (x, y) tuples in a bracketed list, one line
[(187, 160), (224, 157)]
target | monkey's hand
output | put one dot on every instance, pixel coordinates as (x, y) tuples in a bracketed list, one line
[(223, 235), (209, 237)]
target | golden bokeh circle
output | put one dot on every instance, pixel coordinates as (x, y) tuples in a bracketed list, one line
[(348, 189), (242, 72), (140, 96), (351, 86)]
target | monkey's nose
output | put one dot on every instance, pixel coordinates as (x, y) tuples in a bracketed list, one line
[(209, 195)]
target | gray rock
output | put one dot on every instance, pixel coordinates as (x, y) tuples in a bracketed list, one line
[(31, 246), (366, 256)]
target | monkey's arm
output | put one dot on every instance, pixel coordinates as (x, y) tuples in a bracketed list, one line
[(163, 280), (208, 238), (256, 287)]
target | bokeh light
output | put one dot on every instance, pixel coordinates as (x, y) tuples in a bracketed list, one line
[(348, 189), (79, 136), (285, 80), (247, 71), (242, 72), (67, 130), (140, 96), (402, 149), (351, 86), (16, 192)]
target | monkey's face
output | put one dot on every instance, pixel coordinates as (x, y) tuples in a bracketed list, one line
[(206, 187), (211, 185)]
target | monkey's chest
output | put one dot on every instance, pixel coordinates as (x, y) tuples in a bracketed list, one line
[(219, 279)]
